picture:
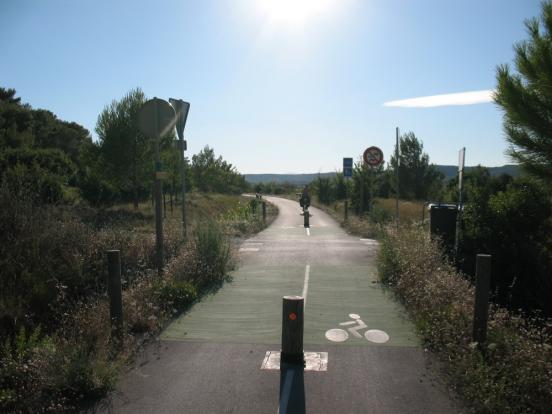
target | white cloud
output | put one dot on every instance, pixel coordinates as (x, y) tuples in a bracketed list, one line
[(462, 98)]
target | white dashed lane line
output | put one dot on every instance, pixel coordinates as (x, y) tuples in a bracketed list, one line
[(250, 247), (306, 286)]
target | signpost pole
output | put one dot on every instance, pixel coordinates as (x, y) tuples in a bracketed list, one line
[(362, 189), (158, 201), (397, 175), (181, 109), (347, 173), (156, 118), (461, 162), (183, 180), (346, 207), (373, 158)]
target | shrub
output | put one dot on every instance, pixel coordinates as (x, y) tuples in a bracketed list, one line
[(175, 296), (206, 259), (512, 372)]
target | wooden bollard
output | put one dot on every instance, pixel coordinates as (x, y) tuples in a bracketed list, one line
[(482, 286), (292, 330), (115, 292), (264, 211)]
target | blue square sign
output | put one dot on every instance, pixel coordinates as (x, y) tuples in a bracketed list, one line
[(347, 167)]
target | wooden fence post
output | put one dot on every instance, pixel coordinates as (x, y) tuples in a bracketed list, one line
[(115, 292), (481, 308), (264, 211)]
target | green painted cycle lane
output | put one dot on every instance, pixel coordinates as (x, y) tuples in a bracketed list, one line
[(335, 292), (245, 310), (341, 282), (248, 310)]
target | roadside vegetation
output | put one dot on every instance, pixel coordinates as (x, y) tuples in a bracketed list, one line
[(512, 371), (64, 201)]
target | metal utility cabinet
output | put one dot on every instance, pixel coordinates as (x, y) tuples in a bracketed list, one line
[(442, 222)]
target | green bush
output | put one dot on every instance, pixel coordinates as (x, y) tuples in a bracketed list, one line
[(511, 220), (175, 296), (40, 373), (206, 259)]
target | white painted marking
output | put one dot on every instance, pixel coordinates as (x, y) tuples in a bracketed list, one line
[(308, 231), (250, 247), (314, 361), (337, 335), (306, 286), (359, 322), (372, 335), (376, 336)]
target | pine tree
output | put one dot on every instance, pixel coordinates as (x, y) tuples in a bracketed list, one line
[(526, 97), (418, 179)]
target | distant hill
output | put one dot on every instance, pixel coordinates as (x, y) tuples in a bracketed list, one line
[(449, 171), (298, 179)]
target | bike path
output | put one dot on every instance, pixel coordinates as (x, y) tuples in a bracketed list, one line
[(341, 281), (209, 360)]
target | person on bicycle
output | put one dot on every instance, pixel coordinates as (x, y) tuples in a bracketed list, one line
[(304, 201)]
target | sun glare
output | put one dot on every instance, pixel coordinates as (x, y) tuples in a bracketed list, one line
[(294, 12)]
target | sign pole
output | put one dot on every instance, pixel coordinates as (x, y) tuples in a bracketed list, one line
[(373, 158), (397, 157), (183, 179), (461, 162), (182, 108), (155, 119), (158, 201), (361, 189), (347, 173)]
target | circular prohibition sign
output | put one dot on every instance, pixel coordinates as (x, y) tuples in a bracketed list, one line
[(373, 156)]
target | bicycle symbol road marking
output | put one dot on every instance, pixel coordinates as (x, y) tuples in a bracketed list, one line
[(341, 335)]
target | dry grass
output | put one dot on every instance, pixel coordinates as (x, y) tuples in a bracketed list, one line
[(409, 211), (372, 224)]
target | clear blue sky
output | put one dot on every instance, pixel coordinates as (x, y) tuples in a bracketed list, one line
[(274, 85)]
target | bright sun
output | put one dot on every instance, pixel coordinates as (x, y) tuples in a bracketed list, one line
[(294, 12)]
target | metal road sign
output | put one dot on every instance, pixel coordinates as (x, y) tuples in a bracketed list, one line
[(347, 167), (181, 108), (373, 156), (156, 118)]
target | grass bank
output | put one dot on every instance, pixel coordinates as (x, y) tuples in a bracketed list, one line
[(56, 350), (511, 372)]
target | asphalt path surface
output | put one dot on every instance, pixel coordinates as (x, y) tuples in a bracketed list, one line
[(209, 360)]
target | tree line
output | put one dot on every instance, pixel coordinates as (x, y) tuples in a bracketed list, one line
[(417, 178), (59, 162)]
